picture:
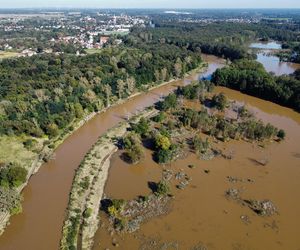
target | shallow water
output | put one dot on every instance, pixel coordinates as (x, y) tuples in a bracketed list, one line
[(271, 62), (201, 213), (265, 45), (39, 226)]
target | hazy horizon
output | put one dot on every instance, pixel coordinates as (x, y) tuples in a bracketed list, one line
[(154, 4)]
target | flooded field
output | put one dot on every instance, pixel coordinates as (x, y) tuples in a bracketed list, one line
[(201, 215)]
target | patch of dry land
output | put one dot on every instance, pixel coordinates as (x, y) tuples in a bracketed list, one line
[(81, 221), (29, 158)]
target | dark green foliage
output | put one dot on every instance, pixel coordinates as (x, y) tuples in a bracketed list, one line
[(162, 188), (223, 129), (30, 143), (133, 149), (72, 233), (142, 127), (164, 156), (250, 77), (281, 134), (170, 102), (219, 101), (160, 117), (256, 130), (43, 94), (12, 176), (196, 90)]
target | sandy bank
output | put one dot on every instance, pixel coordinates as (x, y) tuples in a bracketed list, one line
[(82, 220)]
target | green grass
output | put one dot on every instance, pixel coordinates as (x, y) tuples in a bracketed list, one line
[(7, 54), (93, 51), (12, 150)]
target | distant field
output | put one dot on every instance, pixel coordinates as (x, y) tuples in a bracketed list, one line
[(93, 51), (7, 54), (109, 33)]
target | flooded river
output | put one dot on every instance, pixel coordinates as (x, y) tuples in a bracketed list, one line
[(39, 226), (272, 62), (201, 215)]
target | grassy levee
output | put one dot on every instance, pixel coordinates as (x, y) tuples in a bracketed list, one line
[(82, 220)]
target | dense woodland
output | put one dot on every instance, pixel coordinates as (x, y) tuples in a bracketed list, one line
[(250, 77), (45, 93), (228, 40)]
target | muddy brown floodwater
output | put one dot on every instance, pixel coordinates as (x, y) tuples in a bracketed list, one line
[(39, 226), (201, 215), (272, 62)]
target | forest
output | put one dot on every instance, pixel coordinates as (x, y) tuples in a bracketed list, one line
[(45, 93), (228, 40), (250, 77)]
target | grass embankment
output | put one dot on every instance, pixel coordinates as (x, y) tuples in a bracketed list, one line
[(14, 150), (81, 221)]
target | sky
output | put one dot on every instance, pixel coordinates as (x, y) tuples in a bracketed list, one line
[(169, 4)]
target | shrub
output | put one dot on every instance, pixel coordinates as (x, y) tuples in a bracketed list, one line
[(162, 142), (12, 175), (116, 207), (29, 143), (134, 154), (219, 101), (162, 188), (142, 127), (199, 145), (281, 134), (164, 156), (160, 117)]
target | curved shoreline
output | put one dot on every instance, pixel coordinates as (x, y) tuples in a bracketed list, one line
[(46, 151), (81, 222)]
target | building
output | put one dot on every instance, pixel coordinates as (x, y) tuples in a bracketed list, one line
[(103, 40)]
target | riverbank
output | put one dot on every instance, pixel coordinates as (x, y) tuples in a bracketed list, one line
[(49, 149), (81, 221)]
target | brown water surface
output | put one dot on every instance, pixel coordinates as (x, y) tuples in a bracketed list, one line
[(39, 226), (272, 62), (201, 213)]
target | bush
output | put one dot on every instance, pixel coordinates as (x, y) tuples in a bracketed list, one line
[(142, 127), (116, 207), (160, 117), (219, 101), (134, 154), (170, 102), (164, 156), (29, 143), (281, 134), (162, 142), (199, 145), (133, 150), (12, 176), (162, 188)]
